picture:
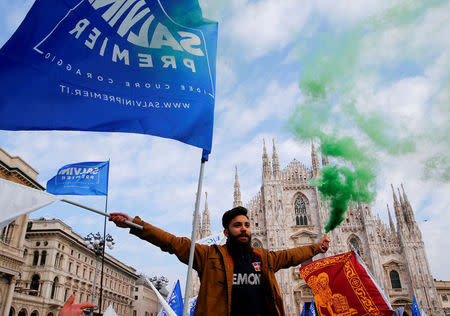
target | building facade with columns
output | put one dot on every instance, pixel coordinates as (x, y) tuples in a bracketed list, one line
[(58, 264), (12, 237), (288, 212)]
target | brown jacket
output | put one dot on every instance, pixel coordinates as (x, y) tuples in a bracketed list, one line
[(215, 268)]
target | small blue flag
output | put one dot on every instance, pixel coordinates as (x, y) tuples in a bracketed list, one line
[(415, 308), (192, 303), (175, 301), (83, 178), (312, 309), (304, 310)]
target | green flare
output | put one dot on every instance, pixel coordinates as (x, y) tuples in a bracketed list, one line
[(342, 185), (328, 113)]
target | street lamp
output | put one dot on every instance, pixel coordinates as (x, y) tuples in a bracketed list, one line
[(96, 243)]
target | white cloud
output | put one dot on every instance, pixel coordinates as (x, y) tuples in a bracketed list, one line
[(265, 26), (276, 103)]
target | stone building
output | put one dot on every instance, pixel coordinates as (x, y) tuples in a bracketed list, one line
[(289, 212), (145, 301), (57, 264), (12, 237), (443, 290)]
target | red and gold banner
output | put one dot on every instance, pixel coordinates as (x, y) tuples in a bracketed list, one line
[(342, 287)]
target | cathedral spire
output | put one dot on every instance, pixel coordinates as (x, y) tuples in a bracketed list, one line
[(237, 190), (314, 161), (391, 222), (398, 211), (408, 209), (405, 198), (206, 224), (402, 203), (266, 163), (275, 163), (395, 197), (198, 233)]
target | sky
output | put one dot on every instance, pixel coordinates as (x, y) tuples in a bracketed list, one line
[(390, 58)]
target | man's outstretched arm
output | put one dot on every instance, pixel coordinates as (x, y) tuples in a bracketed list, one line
[(167, 242), (291, 257)]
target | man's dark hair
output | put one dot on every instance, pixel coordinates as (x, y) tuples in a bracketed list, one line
[(230, 214)]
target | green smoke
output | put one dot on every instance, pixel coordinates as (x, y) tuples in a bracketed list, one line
[(333, 111)]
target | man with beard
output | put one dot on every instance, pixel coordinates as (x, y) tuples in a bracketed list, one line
[(235, 279)]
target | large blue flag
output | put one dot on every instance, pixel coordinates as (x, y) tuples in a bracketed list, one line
[(136, 66), (415, 307), (83, 178), (175, 301)]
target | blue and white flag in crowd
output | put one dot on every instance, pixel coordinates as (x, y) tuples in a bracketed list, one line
[(175, 301), (415, 307), (192, 302), (83, 178), (399, 311), (312, 309), (130, 66), (304, 310), (216, 239)]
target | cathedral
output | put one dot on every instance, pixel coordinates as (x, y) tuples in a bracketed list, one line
[(288, 212)]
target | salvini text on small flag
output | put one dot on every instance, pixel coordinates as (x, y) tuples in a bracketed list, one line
[(83, 178), (175, 300), (131, 66), (342, 285)]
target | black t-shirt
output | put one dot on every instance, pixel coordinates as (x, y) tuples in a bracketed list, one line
[(247, 291)]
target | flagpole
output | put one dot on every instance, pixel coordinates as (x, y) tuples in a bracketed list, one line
[(194, 232), (104, 243), (165, 305), (130, 224)]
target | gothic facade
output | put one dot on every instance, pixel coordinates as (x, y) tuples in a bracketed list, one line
[(289, 212)]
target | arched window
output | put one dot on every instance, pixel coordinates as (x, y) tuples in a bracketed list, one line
[(300, 212), (66, 292), (34, 313), (50, 314), (43, 257), (12, 312), (35, 284), (23, 312), (54, 285), (35, 257), (395, 279)]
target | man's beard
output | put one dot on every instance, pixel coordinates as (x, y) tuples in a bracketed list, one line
[(235, 246)]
